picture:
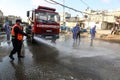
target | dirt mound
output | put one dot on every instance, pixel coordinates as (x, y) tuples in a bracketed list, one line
[(106, 37)]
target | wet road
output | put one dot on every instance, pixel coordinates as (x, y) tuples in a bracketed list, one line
[(64, 60)]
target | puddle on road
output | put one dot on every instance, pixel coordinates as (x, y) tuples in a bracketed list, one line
[(4, 50)]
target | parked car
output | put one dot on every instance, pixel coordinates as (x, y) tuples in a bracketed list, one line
[(65, 29), (2, 28), (83, 30)]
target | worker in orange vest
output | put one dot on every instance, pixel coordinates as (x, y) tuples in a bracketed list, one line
[(17, 38)]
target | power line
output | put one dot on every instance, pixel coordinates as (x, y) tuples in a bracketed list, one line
[(67, 6), (70, 8), (49, 2), (74, 9), (85, 3)]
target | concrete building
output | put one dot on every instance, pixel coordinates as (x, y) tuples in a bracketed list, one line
[(70, 21), (105, 18), (1, 13), (63, 17), (13, 18), (1, 18)]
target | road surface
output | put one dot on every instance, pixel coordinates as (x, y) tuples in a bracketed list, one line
[(64, 60)]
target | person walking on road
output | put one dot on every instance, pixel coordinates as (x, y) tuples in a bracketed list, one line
[(17, 39), (76, 32), (92, 32), (7, 30)]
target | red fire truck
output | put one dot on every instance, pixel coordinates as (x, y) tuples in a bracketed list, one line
[(44, 23)]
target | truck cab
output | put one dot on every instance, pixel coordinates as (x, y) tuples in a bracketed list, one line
[(44, 23)]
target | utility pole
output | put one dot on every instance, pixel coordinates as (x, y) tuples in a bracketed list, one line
[(63, 13), (103, 13)]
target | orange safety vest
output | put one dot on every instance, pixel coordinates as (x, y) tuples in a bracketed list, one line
[(19, 36)]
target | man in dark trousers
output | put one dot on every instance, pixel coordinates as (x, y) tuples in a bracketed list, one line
[(17, 38), (78, 31)]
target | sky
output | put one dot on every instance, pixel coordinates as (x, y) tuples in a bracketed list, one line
[(19, 7)]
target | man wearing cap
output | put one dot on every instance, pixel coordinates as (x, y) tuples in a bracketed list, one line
[(17, 38)]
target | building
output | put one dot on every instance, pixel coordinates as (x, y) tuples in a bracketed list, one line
[(1, 13), (105, 18), (63, 17), (1, 18), (70, 21), (13, 18)]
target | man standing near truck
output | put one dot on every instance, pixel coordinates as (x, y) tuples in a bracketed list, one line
[(17, 39)]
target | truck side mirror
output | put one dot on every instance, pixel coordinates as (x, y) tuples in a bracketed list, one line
[(28, 13)]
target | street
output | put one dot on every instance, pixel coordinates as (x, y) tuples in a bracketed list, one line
[(64, 60)]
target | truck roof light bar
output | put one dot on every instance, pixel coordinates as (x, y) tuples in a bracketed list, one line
[(46, 8)]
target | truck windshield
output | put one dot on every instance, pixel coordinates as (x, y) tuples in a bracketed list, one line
[(47, 17), (41, 17)]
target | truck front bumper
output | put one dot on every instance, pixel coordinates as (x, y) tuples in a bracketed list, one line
[(48, 36)]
